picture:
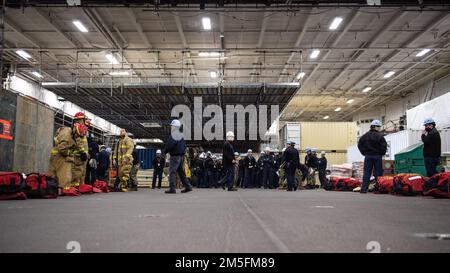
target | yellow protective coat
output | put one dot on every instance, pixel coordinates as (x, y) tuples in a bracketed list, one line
[(62, 157), (79, 166), (123, 154)]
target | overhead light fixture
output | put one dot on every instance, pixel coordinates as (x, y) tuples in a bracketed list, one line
[(80, 26), (37, 74), (151, 124), (423, 52), (326, 117), (338, 109), (367, 89), (206, 22), (314, 54), (389, 74), (111, 58), (213, 74), (300, 75), (23, 54), (209, 54), (350, 101), (119, 73), (336, 22)]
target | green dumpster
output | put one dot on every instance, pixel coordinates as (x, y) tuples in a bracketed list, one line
[(410, 160)]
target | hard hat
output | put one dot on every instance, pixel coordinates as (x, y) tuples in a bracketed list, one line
[(230, 134), (267, 149), (284, 149), (214, 157), (262, 152), (250, 151), (175, 123), (290, 142), (236, 154), (322, 152), (314, 150), (376, 122), (158, 152), (307, 149), (79, 115), (102, 147), (428, 121), (208, 153)]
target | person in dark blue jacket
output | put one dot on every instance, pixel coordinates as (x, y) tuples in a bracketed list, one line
[(291, 162), (176, 146), (322, 168), (267, 162), (373, 147), (158, 166), (228, 161), (103, 163)]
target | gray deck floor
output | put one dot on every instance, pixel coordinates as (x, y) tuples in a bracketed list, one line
[(212, 220)]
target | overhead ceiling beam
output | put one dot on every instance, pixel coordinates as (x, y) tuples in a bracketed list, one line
[(260, 43), (296, 45), (352, 18), (185, 45), (435, 22), (355, 56)]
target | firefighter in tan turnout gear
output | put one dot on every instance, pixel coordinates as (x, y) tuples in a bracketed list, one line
[(123, 159), (62, 156), (81, 151)]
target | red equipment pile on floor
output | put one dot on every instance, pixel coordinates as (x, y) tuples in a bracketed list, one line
[(17, 186)]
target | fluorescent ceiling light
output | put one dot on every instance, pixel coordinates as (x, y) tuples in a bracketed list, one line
[(80, 26), (336, 22), (389, 74), (213, 74), (350, 101), (151, 124), (206, 22), (111, 58), (119, 73), (301, 75), (423, 52), (209, 54), (37, 74), (314, 54), (338, 109), (326, 117), (367, 89), (23, 54)]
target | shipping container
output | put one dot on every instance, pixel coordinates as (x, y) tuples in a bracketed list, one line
[(328, 135), (325, 136), (146, 157)]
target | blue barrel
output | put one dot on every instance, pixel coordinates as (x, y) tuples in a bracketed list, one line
[(146, 157)]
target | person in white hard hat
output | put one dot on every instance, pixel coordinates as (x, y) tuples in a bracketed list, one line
[(275, 167), (176, 146), (267, 174), (158, 166), (259, 170), (373, 147), (250, 169), (312, 164), (322, 168), (228, 161)]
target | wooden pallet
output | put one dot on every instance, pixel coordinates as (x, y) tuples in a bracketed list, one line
[(145, 178)]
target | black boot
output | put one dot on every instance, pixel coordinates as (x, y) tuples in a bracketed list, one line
[(186, 190), (170, 191)]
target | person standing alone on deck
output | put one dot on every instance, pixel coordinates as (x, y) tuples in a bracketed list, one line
[(176, 146), (228, 162), (373, 147), (431, 146)]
